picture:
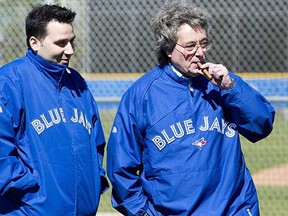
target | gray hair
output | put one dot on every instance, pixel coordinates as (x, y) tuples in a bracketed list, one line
[(168, 19)]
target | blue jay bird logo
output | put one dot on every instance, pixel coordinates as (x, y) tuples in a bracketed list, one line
[(199, 143)]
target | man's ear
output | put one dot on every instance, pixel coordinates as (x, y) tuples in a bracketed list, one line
[(34, 43), (169, 54)]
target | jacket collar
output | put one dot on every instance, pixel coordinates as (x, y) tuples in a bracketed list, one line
[(198, 82), (170, 71), (52, 70)]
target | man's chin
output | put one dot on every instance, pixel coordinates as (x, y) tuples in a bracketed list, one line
[(64, 62), (193, 69)]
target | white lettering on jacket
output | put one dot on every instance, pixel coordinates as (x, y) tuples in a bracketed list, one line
[(56, 116), (215, 125), (81, 119), (180, 129)]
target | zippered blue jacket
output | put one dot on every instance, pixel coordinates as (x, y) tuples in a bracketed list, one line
[(174, 148), (51, 141)]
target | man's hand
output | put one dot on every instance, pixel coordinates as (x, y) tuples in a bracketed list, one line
[(220, 74)]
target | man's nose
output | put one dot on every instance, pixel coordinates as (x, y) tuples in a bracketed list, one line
[(69, 49), (199, 51)]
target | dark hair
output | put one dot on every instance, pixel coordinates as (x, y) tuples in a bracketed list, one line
[(166, 22), (38, 18)]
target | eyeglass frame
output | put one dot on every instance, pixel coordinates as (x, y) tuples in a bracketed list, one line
[(197, 45)]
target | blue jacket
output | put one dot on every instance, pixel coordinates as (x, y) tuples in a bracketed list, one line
[(176, 151), (51, 141)]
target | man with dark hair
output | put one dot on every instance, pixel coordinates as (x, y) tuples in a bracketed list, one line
[(174, 148), (51, 138)]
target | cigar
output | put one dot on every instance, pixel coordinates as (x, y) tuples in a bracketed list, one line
[(205, 71)]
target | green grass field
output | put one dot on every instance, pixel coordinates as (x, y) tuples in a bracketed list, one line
[(269, 152)]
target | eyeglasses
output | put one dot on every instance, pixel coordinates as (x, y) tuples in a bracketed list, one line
[(205, 45)]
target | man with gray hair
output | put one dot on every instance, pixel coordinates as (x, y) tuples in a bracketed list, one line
[(174, 148)]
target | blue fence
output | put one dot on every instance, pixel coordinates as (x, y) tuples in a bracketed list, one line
[(109, 92), (275, 90)]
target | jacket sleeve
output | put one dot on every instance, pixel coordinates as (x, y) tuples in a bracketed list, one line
[(17, 178), (124, 162), (249, 110), (100, 145)]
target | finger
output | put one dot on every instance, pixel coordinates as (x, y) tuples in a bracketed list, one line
[(205, 71)]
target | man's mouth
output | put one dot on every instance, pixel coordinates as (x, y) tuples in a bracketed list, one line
[(64, 61)]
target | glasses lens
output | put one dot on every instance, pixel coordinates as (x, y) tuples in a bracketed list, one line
[(190, 48), (207, 44)]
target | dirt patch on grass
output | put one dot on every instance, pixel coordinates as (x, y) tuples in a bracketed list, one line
[(275, 176)]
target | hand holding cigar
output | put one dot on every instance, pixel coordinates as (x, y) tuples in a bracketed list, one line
[(205, 71)]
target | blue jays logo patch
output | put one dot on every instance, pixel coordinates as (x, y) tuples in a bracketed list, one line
[(199, 143)]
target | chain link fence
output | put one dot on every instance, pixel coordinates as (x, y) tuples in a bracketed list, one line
[(115, 36), (114, 46)]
